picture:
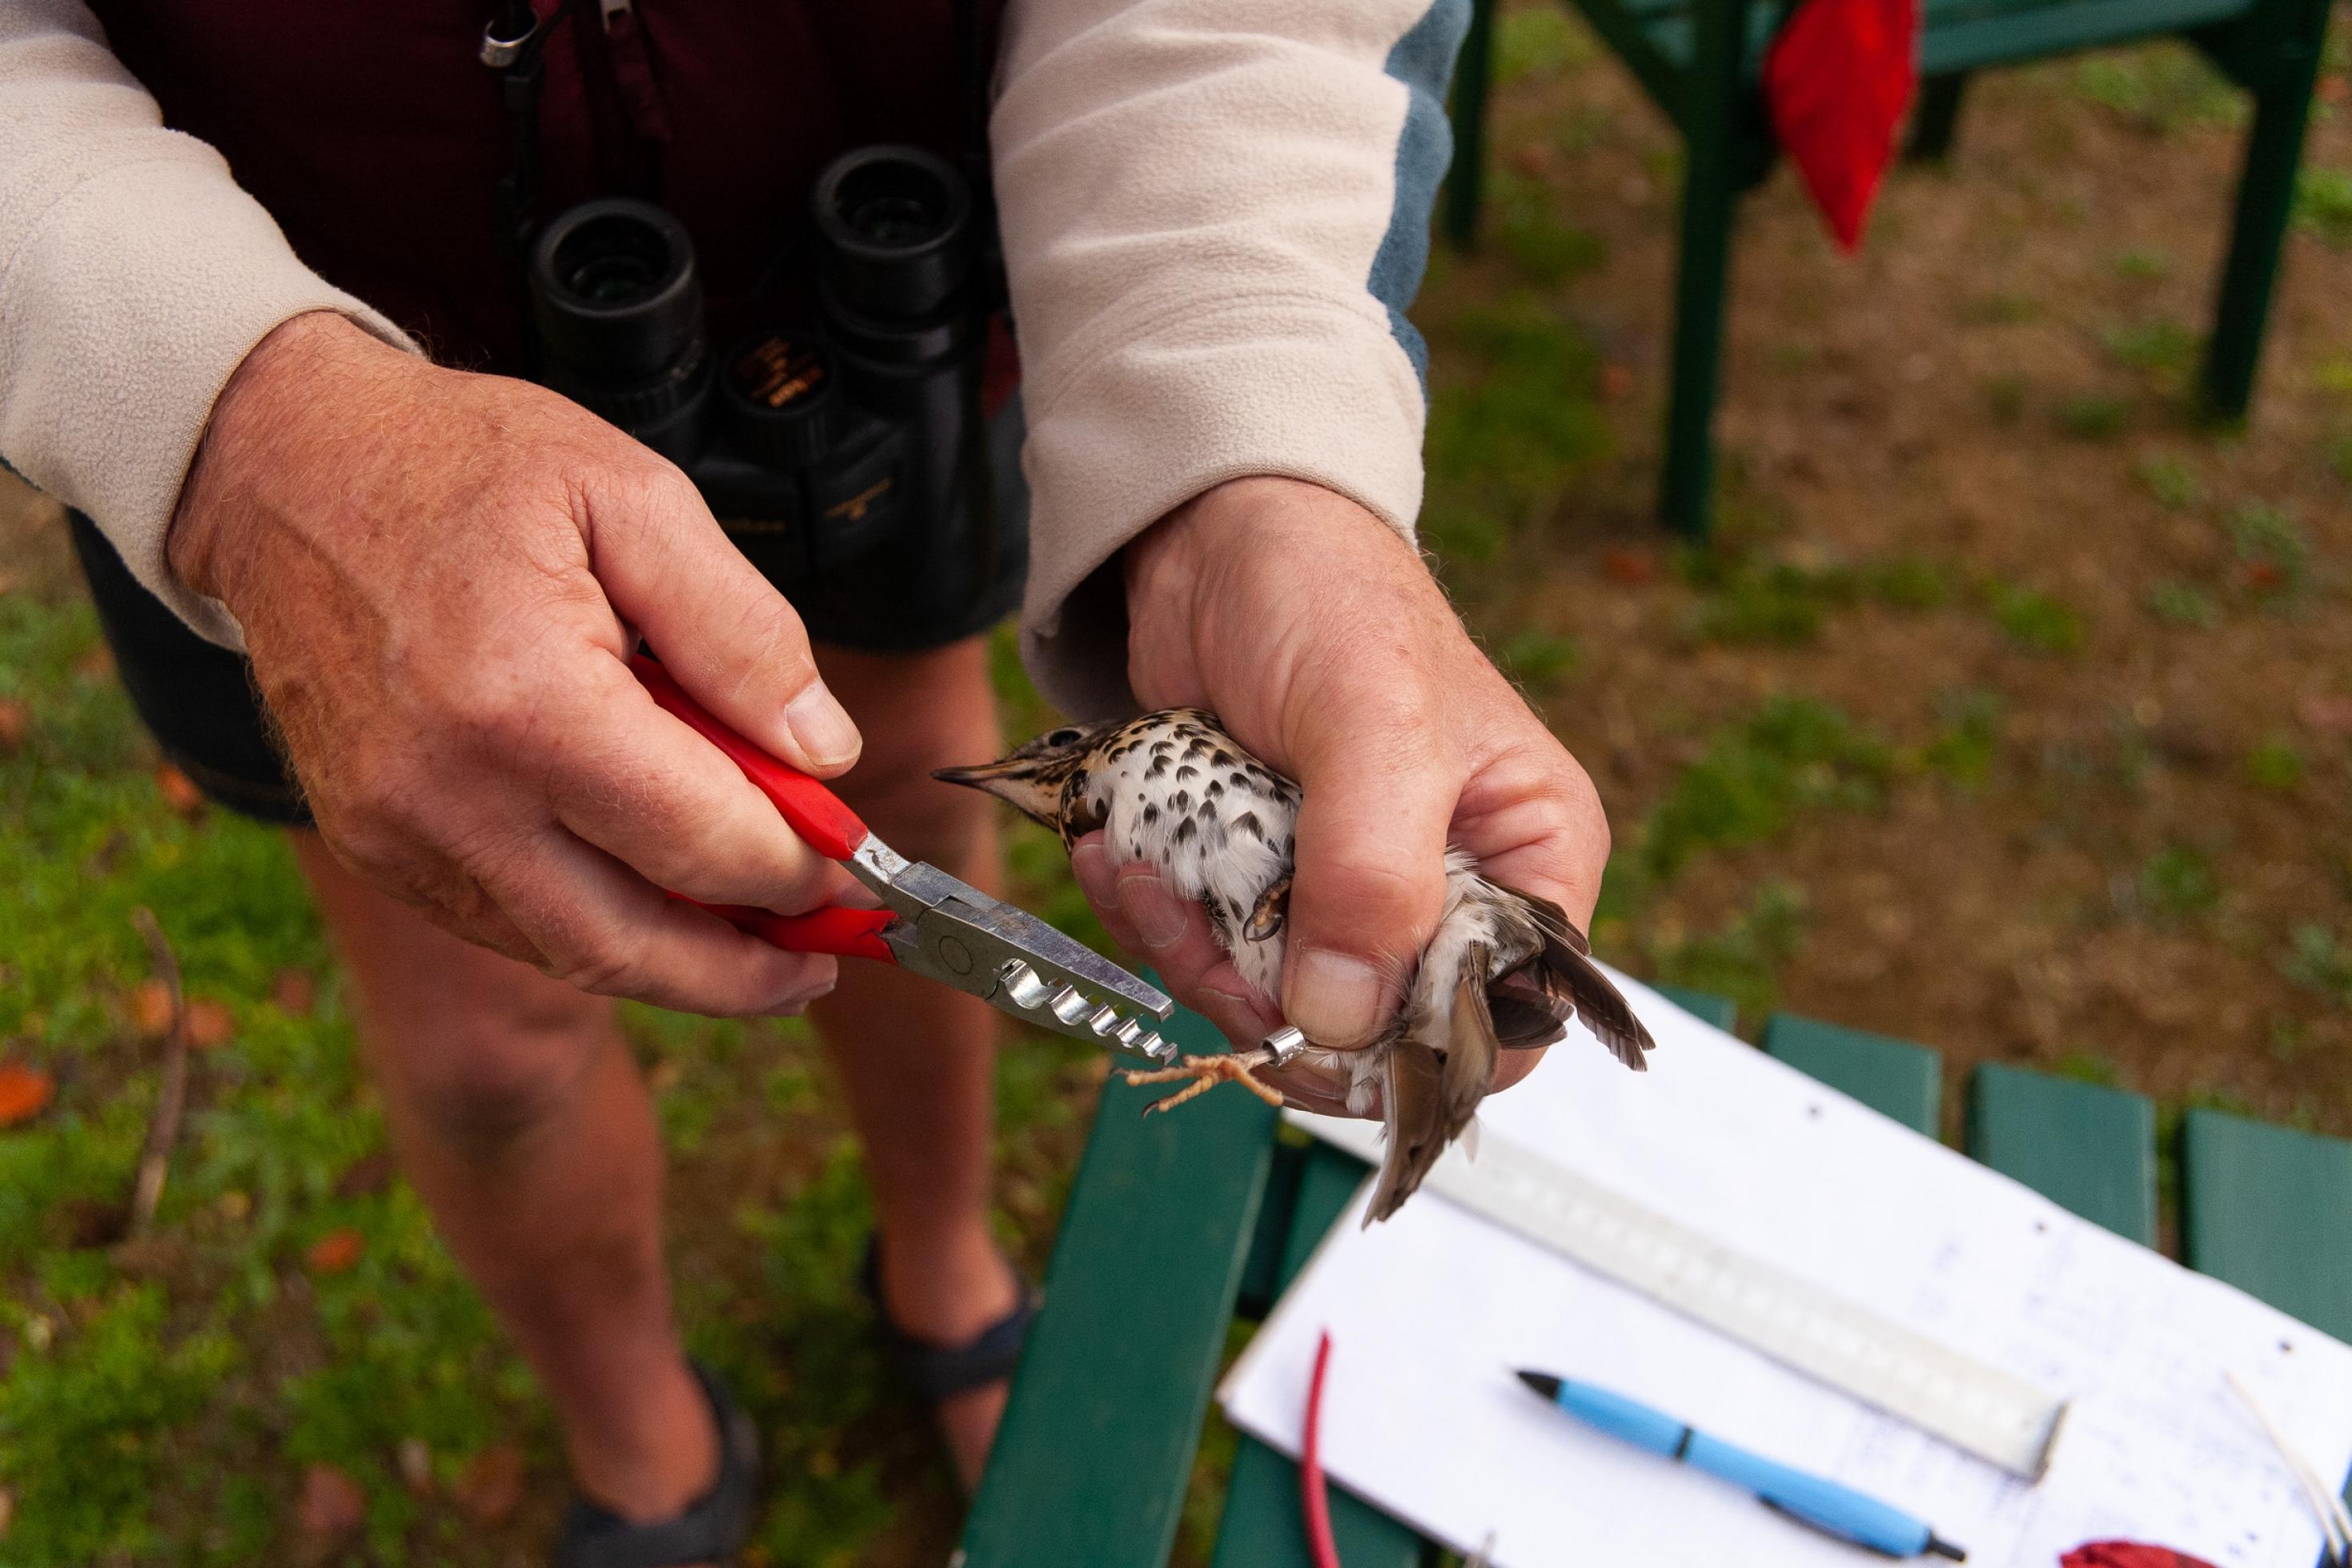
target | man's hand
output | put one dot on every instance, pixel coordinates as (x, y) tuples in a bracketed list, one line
[(1321, 640), (439, 576)]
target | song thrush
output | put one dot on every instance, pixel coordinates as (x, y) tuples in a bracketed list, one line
[(1504, 970)]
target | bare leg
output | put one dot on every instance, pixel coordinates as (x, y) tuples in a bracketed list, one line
[(523, 1123), (917, 1058)]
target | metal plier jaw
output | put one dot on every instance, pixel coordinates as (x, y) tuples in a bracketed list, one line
[(959, 936), (929, 922)]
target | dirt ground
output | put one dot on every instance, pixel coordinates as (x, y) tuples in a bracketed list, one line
[(1994, 392)]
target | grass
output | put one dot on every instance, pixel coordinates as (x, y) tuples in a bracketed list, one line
[(2095, 416), (1748, 596), (2036, 621), (2171, 481), (2179, 603), (2321, 961), (2273, 549), (1794, 753), (2159, 89), (162, 1403), (1514, 420), (2178, 881), (2323, 203), (1742, 960)]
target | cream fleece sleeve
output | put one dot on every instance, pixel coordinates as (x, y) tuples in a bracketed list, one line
[(1215, 212), (135, 277)]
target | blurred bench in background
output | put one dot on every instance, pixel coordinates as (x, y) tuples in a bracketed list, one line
[(1699, 59), (1178, 1223)]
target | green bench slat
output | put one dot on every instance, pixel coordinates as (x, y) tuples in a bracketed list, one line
[(2269, 1209), (1263, 1526), (1720, 1011), (1967, 44), (1893, 1077), (1091, 1463), (2086, 1148), (1957, 34)]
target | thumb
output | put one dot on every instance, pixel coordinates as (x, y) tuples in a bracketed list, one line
[(720, 627), (1379, 783)]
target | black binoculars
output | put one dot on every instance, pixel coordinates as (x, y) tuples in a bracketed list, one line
[(845, 456)]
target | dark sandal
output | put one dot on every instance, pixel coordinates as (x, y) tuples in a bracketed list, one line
[(710, 1530), (932, 1373)]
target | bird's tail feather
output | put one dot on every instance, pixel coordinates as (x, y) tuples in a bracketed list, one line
[(1558, 981)]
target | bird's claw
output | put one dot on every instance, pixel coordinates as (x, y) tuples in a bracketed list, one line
[(1202, 1073)]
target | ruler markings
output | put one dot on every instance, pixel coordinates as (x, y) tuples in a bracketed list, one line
[(1976, 1407)]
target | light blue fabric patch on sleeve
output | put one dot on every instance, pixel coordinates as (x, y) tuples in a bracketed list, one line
[(1423, 61)]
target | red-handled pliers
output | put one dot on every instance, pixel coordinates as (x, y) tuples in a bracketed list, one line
[(930, 922)]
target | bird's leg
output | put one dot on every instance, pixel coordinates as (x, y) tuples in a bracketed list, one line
[(1203, 1073)]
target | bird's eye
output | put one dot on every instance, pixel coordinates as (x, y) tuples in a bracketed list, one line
[(1065, 737)]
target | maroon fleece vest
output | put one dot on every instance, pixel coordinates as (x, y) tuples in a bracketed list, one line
[(371, 133)]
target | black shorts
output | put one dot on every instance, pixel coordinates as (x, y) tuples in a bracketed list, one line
[(200, 701)]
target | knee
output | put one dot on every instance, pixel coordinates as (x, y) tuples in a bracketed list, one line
[(484, 1075)]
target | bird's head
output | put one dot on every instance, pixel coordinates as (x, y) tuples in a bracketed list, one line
[(1032, 778)]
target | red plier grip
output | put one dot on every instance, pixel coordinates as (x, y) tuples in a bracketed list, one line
[(812, 811)]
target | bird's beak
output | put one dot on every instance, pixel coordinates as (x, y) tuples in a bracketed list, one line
[(1013, 780)]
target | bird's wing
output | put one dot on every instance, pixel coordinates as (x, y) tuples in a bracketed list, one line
[(1557, 981)]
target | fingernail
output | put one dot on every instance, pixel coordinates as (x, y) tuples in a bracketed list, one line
[(822, 726), (1336, 999), (1158, 913)]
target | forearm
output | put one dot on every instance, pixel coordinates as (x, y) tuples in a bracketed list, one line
[(134, 277), (1214, 213)]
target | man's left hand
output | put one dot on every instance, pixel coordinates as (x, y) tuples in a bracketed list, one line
[(1319, 636)]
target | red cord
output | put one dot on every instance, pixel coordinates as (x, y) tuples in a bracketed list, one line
[(1312, 1498)]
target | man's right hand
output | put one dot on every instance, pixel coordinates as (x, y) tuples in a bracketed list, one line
[(440, 576)]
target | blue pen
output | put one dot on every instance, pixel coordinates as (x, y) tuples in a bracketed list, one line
[(1834, 1511)]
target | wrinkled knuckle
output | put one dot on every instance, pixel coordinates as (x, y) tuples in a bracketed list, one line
[(603, 968)]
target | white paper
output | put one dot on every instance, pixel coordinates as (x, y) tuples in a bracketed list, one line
[(1430, 1314)]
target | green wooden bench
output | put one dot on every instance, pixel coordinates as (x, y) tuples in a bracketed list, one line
[(1699, 59), (1177, 1223)]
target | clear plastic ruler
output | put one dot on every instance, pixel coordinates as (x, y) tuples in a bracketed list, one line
[(1974, 1406)]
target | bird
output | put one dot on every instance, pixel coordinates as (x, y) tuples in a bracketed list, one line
[(1504, 970)]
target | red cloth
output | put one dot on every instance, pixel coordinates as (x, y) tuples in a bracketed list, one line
[(2128, 1554), (1836, 81)]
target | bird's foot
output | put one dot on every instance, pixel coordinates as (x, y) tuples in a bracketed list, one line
[(1202, 1073)]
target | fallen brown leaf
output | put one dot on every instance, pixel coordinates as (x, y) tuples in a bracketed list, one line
[(332, 1506), (1632, 568), (1616, 379), (179, 790), (491, 1485), (24, 1091), (150, 1009), (294, 991), (210, 1023), (336, 1251), (15, 720)]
